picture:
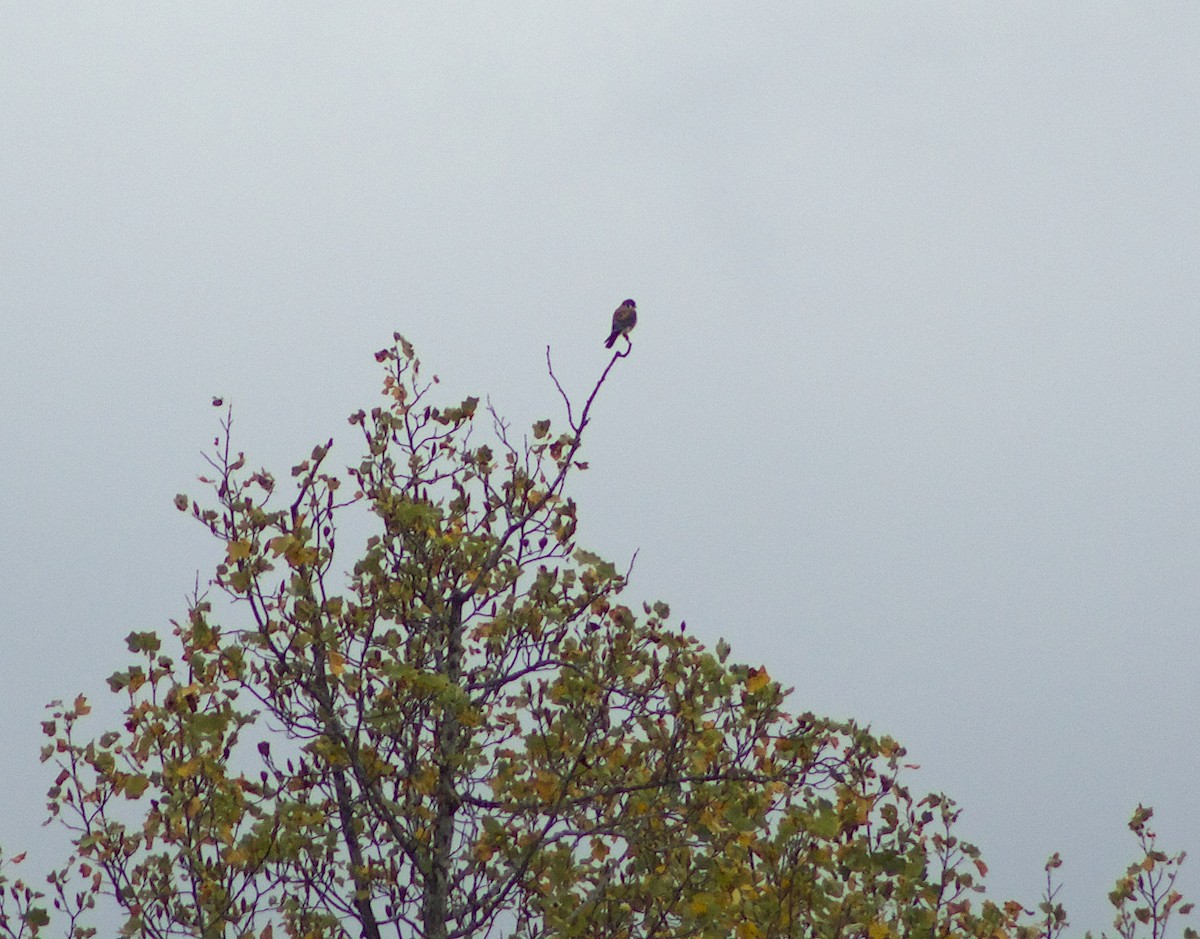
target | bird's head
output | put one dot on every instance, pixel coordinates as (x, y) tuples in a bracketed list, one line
[(629, 303)]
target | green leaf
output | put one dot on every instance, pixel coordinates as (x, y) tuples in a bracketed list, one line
[(143, 642), (37, 916)]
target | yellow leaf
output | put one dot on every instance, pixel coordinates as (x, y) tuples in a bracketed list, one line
[(298, 554), (757, 679), (337, 663), (236, 857), (484, 852), (878, 931), (238, 550), (188, 769), (546, 785)]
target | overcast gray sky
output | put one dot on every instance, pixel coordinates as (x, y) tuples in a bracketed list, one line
[(911, 414)]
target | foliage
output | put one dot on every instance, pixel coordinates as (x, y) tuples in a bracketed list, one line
[(465, 733), (1146, 894)]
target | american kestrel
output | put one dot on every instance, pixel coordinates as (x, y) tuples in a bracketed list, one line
[(624, 319)]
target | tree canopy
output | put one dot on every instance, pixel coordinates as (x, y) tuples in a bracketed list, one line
[(458, 729)]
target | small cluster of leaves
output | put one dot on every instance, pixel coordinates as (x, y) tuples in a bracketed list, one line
[(1146, 895), (25, 909), (463, 730)]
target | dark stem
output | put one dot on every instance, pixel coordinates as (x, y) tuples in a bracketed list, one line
[(448, 801)]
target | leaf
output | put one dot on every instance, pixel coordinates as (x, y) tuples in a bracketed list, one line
[(37, 916), (239, 581), (238, 550), (143, 642), (187, 770), (337, 662), (1141, 815), (236, 857), (757, 679), (483, 851), (825, 823)]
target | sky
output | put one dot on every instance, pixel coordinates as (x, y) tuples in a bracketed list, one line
[(911, 412)]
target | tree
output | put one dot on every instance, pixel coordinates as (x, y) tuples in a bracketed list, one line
[(462, 732)]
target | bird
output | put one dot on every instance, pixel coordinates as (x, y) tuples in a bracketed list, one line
[(624, 319)]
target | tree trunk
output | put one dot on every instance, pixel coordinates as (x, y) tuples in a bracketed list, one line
[(437, 913)]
